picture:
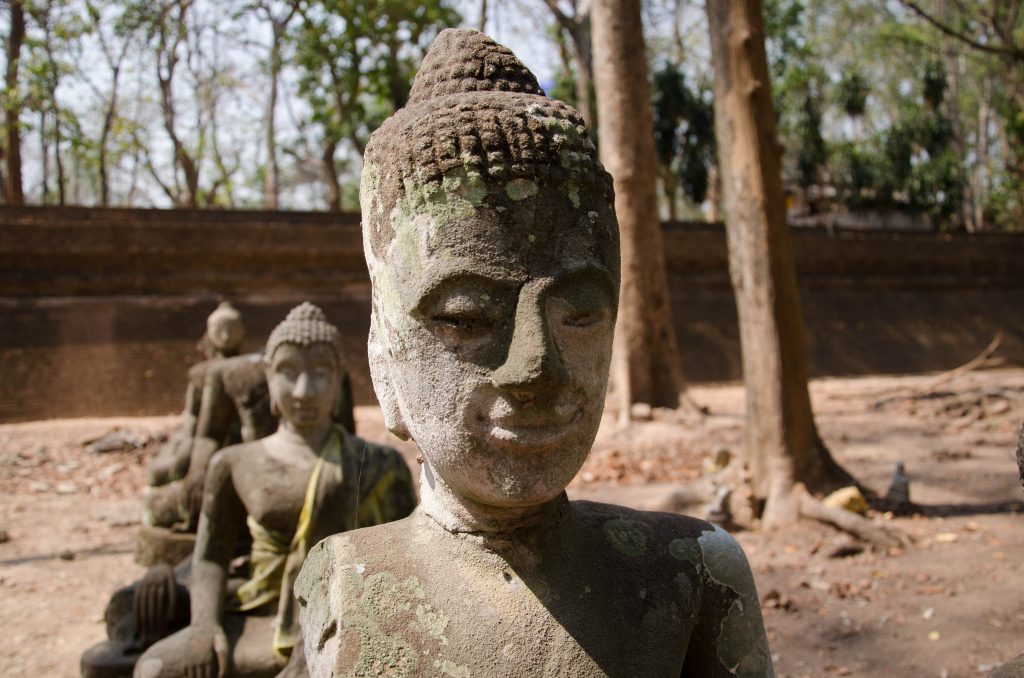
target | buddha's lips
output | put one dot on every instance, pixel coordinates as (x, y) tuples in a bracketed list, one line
[(305, 413), (512, 422), (529, 431)]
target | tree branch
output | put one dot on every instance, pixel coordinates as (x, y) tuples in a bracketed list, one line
[(870, 531), (1005, 51)]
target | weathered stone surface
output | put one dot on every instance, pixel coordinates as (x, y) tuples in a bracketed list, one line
[(492, 247)]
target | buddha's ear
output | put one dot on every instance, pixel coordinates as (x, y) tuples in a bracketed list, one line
[(383, 385), (275, 411)]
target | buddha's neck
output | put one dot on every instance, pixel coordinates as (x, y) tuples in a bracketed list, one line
[(313, 438), (457, 513)]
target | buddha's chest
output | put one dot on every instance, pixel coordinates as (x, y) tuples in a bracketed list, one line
[(274, 493), (473, 619)]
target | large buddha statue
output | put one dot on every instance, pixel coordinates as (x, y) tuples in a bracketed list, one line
[(492, 245), (308, 480)]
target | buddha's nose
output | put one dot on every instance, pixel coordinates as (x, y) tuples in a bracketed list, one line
[(303, 386), (533, 364)]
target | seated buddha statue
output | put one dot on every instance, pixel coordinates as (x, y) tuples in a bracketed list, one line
[(282, 493), (222, 339), (227, 402), (491, 240)]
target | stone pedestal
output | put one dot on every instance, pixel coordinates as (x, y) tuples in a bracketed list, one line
[(160, 545)]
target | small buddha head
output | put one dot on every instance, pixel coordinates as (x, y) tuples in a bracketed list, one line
[(304, 363), (224, 330), (490, 235)]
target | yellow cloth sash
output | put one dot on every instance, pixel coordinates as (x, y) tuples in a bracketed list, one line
[(276, 559)]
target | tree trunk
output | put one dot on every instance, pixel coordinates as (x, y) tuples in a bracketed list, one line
[(57, 158), (12, 119), (44, 159), (782, 442), (713, 194), (54, 79), (951, 103), (669, 185), (166, 63), (578, 28), (108, 125), (331, 176), (270, 182), (981, 167), (581, 40), (645, 364)]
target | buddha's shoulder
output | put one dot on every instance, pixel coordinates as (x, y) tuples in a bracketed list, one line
[(374, 543), (351, 552), (600, 517), (632, 532), (232, 455)]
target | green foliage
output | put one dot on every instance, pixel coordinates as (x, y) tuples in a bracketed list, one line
[(357, 59), (811, 150), (797, 83), (909, 166), (563, 87), (683, 129), (852, 93), (934, 82)]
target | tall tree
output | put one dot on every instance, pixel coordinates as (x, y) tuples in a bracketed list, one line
[(646, 366), (783, 447), (47, 70), (356, 60), (989, 29), (170, 31), (278, 15), (13, 191), (115, 37), (573, 20)]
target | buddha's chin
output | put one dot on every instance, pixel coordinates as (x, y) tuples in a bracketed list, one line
[(519, 488)]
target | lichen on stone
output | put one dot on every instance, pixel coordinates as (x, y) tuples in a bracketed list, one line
[(626, 536), (521, 189)]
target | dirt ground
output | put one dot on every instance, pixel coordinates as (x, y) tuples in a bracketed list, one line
[(950, 605)]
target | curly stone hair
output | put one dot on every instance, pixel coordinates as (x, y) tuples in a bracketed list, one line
[(304, 325), (474, 107)]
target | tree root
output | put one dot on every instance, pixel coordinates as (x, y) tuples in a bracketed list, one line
[(929, 388), (866, 530)]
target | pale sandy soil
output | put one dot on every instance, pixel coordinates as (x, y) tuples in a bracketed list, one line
[(951, 605)]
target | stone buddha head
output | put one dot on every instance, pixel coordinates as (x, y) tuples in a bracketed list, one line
[(304, 364), (490, 236), (224, 330)]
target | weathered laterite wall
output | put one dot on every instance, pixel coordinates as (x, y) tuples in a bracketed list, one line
[(100, 309)]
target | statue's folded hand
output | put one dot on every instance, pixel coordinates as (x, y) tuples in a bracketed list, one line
[(154, 604), (208, 652)]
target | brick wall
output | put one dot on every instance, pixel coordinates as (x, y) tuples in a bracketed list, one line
[(100, 308)]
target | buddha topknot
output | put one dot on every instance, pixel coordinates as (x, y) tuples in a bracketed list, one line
[(476, 117), (304, 325)]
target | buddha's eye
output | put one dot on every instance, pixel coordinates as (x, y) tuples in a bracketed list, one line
[(583, 319), (578, 304), (287, 371), (461, 317), (463, 311), (461, 323)]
